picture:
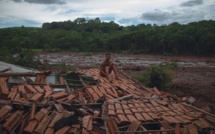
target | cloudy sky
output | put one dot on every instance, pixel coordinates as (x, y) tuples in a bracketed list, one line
[(33, 13)]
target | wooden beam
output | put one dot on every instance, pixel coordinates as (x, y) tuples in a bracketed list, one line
[(17, 74)]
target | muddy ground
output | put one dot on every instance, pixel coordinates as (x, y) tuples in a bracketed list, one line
[(195, 76)]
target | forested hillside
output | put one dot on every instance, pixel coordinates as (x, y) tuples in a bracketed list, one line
[(81, 35)]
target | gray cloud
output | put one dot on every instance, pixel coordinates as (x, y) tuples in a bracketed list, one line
[(166, 17), (43, 1), (192, 3), (157, 15)]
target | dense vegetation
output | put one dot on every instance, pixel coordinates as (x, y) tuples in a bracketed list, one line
[(196, 38)]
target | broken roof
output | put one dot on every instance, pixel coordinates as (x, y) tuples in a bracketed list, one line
[(123, 106)]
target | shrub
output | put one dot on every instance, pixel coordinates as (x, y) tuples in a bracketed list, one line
[(158, 76)]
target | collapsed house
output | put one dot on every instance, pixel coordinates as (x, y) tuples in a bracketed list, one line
[(84, 102)]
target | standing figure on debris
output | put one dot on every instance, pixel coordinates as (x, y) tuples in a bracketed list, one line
[(106, 68)]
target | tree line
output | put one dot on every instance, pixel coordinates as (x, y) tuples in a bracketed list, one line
[(82, 35)]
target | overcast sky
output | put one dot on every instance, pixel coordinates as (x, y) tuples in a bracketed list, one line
[(124, 12)]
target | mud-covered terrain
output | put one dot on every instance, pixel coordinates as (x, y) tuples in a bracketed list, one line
[(195, 76)]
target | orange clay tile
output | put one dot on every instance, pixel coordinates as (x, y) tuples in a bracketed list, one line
[(49, 131), (165, 108), (131, 118), (43, 125), (90, 90), (171, 113), (186, 110), (70, 97), (48, 93), (142, 105), (59, 95), (111, 112), (134, 126), (47, 88), (159, 108), (111, 107), (175, 120), (157, 92), (147, 117), (112, 126), (178, 112), (57, 117), (182, 119), (192, 129), (127, 111), (17, 98), (162, 102), (59, 107), (38, 77), (130, 105), (39, 115), (154, 116), (31, 126), (102, 89), (118, 106), (146, 109), (39, 89), (63, 130), (154, 103), (87, 122), (177, 129), (200, 124), (14, 89), (139, 117), (134, 110), (119, 111), (5, 110), (12, 121), (122, 118), (140, 109), (206, 123), (3, 86), (95, 96), (61, 80), (42, 79), (30, 88), (137, 105), (110, 92), (12, 95), (21, 88), (36, 97), (124, 106)]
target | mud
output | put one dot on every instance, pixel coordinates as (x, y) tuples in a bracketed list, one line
[(195, 76)]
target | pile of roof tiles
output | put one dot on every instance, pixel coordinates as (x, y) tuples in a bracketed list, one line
[(97, 106)]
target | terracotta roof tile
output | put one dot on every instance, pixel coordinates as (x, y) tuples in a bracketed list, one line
[(21, 88), (39, 89), (125, 106), (159, 108), (49, 131), (147, 109), (122, 118), (14, 89), (171, 113), (43, 125), (192, 129), (71, 97), (47, 88), (111, 107), (131, 118), (118, 106), (30, 88), (139, 117), (5, 110), (39, 115), (36, 97), (87, 122), (134, 126), (127, 111), (130, 105), (59, 95), (134, 110), (31, 126), (12, 95), (147, 117), (154, 116), (137, 105), (182, 119), (57, 117), (3, 86), (119, 111)]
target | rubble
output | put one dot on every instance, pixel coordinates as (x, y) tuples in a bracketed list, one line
[(89, 103)]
